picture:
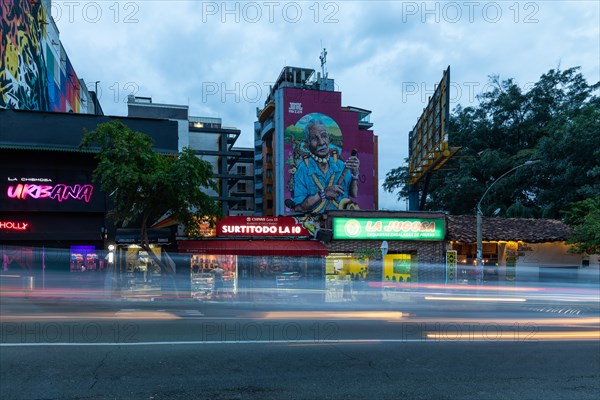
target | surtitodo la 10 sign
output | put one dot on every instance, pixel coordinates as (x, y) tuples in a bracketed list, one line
[(389, 228)]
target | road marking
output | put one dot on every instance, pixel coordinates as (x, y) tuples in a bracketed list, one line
[(547, 336), (194, 313)]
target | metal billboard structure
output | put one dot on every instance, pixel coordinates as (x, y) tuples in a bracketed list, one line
[(428, 141)]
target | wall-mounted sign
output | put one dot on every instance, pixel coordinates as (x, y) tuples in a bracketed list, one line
[(55, 190), (58, 192), (451, 257), (389, 228), (260, 226), (14, 226)]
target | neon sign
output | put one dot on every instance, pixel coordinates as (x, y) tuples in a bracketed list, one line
[(388, 228), (260, 226), (58, 192), (13, 226)]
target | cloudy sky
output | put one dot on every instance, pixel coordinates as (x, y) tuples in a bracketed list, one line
[(386, 56)]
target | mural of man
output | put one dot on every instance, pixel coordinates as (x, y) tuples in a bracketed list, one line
[(322, 181)]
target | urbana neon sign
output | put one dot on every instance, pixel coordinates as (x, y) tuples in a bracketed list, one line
[(58, 192)]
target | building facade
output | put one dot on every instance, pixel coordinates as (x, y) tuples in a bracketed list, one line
[(35, 70), (285, 164), (518, 250), (53, 216), (241, 182), (214, 143), (254, 258)]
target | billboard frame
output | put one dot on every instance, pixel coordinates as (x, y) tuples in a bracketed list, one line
[(428, 141)]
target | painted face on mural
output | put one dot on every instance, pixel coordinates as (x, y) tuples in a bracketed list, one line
[(318, 140)]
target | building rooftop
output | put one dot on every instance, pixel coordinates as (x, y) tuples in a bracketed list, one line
[(463, 228)]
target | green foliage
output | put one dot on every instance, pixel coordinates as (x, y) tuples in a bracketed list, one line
[(144, 185), (556, 122), (397, 179), (584, 219)]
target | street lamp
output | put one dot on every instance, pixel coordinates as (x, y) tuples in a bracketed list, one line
[(479, 270)]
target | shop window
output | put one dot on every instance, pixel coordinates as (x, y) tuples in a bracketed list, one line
[(467, 261), (17, 258), (346, 265), (345, 275), (143, 274), (84, 259), (400, 268), (213, 276)]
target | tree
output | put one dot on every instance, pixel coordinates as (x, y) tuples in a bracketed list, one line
[(584, 219), (556, 122), (143, 185)]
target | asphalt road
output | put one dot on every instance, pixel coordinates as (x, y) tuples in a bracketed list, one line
[(407, 370), (60, 349)]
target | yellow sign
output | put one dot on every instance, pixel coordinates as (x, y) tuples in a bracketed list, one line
[(451, 256), (399, 268)]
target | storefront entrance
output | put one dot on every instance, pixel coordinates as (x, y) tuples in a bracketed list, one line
[(254, 270), (213, 276)]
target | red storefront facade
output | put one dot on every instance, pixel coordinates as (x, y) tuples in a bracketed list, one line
[(251, 257)]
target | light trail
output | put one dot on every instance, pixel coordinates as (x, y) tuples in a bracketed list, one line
[(494, 299), (380, 315), (520, 336), (129, 315)]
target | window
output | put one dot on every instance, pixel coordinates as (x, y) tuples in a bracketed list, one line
[(269, 189), (241, 186), (241, 170)]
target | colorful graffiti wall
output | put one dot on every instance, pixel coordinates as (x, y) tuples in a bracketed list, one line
[(35, 72)]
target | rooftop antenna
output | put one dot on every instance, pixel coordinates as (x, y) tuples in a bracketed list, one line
[(323, 58)]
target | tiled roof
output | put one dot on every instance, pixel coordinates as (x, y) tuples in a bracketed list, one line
[(463, 228)]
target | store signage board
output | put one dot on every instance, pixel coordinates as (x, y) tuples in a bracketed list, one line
[(239, 226), (389, 228), (451, 257)]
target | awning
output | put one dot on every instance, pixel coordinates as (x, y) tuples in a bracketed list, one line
[(254, 247)]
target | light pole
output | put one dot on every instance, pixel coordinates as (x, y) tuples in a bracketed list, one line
[(384, 250), (479, 267)]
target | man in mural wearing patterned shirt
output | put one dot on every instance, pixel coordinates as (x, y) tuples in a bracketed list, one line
[(323, 181)]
